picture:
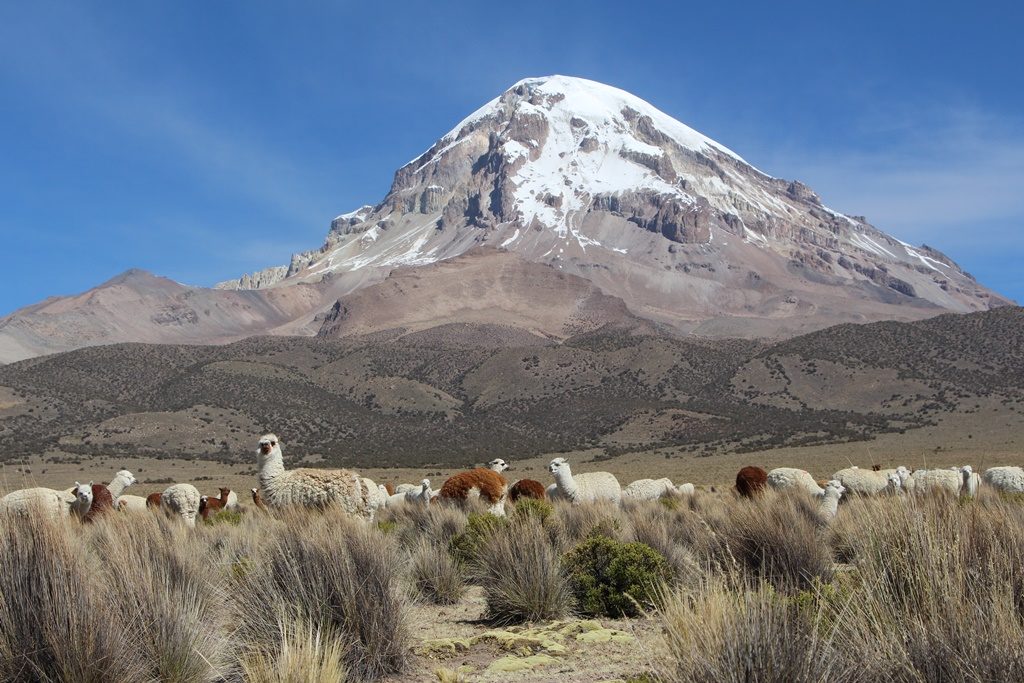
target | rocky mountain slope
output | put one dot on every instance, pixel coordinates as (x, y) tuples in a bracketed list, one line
[(597, 183), (419, 399), (597, 194)]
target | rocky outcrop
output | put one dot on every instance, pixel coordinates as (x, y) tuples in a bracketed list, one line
[(258, 280)]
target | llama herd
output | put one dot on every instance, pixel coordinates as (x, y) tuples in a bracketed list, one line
[(362, 497), (959, 481)]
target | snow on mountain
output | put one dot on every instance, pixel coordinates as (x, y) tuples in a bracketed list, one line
[(594, 181)]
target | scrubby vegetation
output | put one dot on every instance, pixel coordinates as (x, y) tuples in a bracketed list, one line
[(416, 402), (913, 588), (615, 579)]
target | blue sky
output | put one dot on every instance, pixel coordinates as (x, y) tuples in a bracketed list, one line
[(200, 140)]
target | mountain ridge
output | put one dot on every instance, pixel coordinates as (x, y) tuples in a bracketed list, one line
[(453, 393)]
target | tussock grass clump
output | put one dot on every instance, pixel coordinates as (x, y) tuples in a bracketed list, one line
[(653, 526), (931, 591), (339, 575), (940, 595), (615, 579), (465, 546), (521, 575), (730, 633), (571, 524), (306, 653), (55, 624), (541, 510), (436, 576), (172, 605), (412, 523), (775, 538)]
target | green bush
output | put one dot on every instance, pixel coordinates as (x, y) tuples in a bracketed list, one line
[(232, 517), (527, 508), (465, 546), (615, 579)]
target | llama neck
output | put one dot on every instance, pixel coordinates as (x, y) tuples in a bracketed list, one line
[(117, 486), (830, 503), (566, 483), (271, 466)]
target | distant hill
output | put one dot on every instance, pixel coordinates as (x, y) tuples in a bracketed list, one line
[(460, 391)]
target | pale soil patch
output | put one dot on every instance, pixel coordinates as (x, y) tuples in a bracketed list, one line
[(456, 639)]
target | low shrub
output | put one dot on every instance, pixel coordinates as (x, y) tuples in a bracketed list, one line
[(615, 579)]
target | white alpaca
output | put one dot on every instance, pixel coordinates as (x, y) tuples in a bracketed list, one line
[(122, 480), (1005, 479), (893, 484), (423, 496), (969, 481), (686, 489), (868, 482), (649, 489), (405, 488), (582, 488), (129, 503), (181, 500), (922, 481), (310, 487), (83, 499), (48, 502), (785, 478), (828, 501)]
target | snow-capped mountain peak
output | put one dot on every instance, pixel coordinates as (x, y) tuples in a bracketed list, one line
[(595, 181)]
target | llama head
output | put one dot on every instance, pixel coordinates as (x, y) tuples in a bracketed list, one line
[(498, 465), (268, 443), (894, 481), (204, 502), (224, 493), (966, 470), (128, 477), (836, 487), (83, 493), (425, 484), (558, 465)]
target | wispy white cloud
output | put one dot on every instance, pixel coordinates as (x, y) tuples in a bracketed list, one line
[(936, 178)]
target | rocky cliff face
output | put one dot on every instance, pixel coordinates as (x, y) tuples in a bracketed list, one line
[(596, 182)]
